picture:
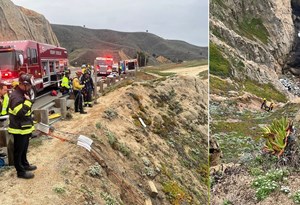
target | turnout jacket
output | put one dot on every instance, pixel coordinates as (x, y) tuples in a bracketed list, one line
[(20, 120)]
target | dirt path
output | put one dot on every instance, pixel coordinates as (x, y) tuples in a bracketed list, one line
[(190, 71)]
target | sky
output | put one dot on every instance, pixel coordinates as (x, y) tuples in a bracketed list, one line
[(170, 19)]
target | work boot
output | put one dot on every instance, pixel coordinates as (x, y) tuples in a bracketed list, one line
[(26, 175), (90, 105), (83, 112), (30, 168)]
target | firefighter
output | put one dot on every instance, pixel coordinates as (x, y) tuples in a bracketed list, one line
[(77, 87), (3, 107), (87, 81), (3, 99), (83, 68), (270, 108), (120, 69), (264, 103), (65, 84), (21, 125)]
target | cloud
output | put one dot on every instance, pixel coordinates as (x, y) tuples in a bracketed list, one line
[(170, 19)]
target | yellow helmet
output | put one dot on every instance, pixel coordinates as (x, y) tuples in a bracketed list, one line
[(14, 83)]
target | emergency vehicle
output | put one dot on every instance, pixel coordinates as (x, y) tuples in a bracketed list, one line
[(45, 62), (128, 65), (104, 65)]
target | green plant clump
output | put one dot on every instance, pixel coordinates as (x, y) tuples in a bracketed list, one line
[(218, 65), (276, 136), (267, 91), (268, 183), (296, 197), (254, 28)]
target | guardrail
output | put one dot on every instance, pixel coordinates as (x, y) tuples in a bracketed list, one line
[(42, 113)]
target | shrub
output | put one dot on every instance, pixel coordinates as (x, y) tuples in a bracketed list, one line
[(218, 65)]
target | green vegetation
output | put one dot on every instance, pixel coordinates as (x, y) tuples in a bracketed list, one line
[(59, 189), (296, 197), (219, 2), (109, 200), (276, 135), (254, 27), (95, 170), (116, 145), (267, 183), (176, 194), (203, 75), (218, 65), (227, 202), (267, 91), (220, 87), (157, 72)]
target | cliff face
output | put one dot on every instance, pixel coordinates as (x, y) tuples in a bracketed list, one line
[(18, 23), (255, 37)]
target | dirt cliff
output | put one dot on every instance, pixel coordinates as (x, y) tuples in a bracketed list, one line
[(171, 150), (18, 23)]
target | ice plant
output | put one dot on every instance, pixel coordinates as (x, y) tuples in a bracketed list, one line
[(276, 136)]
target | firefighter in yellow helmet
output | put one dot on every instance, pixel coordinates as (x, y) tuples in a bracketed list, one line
[(83, 68), (264, 103)]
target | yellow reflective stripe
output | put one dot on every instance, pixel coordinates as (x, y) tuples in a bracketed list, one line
[(16, 109), (28, 103), (28, 113), (21, 132)]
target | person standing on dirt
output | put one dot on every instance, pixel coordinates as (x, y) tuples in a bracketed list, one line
[(264, 103), (21, 125), (77, 87), (87, 81)]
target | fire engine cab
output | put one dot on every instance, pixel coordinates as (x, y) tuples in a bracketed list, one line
[(45, 62), (104, 65)]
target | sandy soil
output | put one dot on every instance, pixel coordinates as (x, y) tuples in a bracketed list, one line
[(190, 71)]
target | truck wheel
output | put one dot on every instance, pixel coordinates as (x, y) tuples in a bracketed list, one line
[(32, 93)]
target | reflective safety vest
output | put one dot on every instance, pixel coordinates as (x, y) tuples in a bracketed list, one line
[(65, 82), (5, 104)]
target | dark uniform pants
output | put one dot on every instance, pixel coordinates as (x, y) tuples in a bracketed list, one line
[(21, 143), (88, 97), (78, 101)]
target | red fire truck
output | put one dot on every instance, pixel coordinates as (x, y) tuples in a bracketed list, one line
[(104, 65), (45, 62)]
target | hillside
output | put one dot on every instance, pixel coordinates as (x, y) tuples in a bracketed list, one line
[(171, 151), (84, 45), (18, 23), (251, 44)]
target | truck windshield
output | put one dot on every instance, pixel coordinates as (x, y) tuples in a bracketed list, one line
[(105, 62), (7, 60)]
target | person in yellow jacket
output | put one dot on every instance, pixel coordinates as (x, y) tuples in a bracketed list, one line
[(65, 84), (77, 87), (3, 99)]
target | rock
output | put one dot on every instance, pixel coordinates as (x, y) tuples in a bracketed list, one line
[(21, 23)]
